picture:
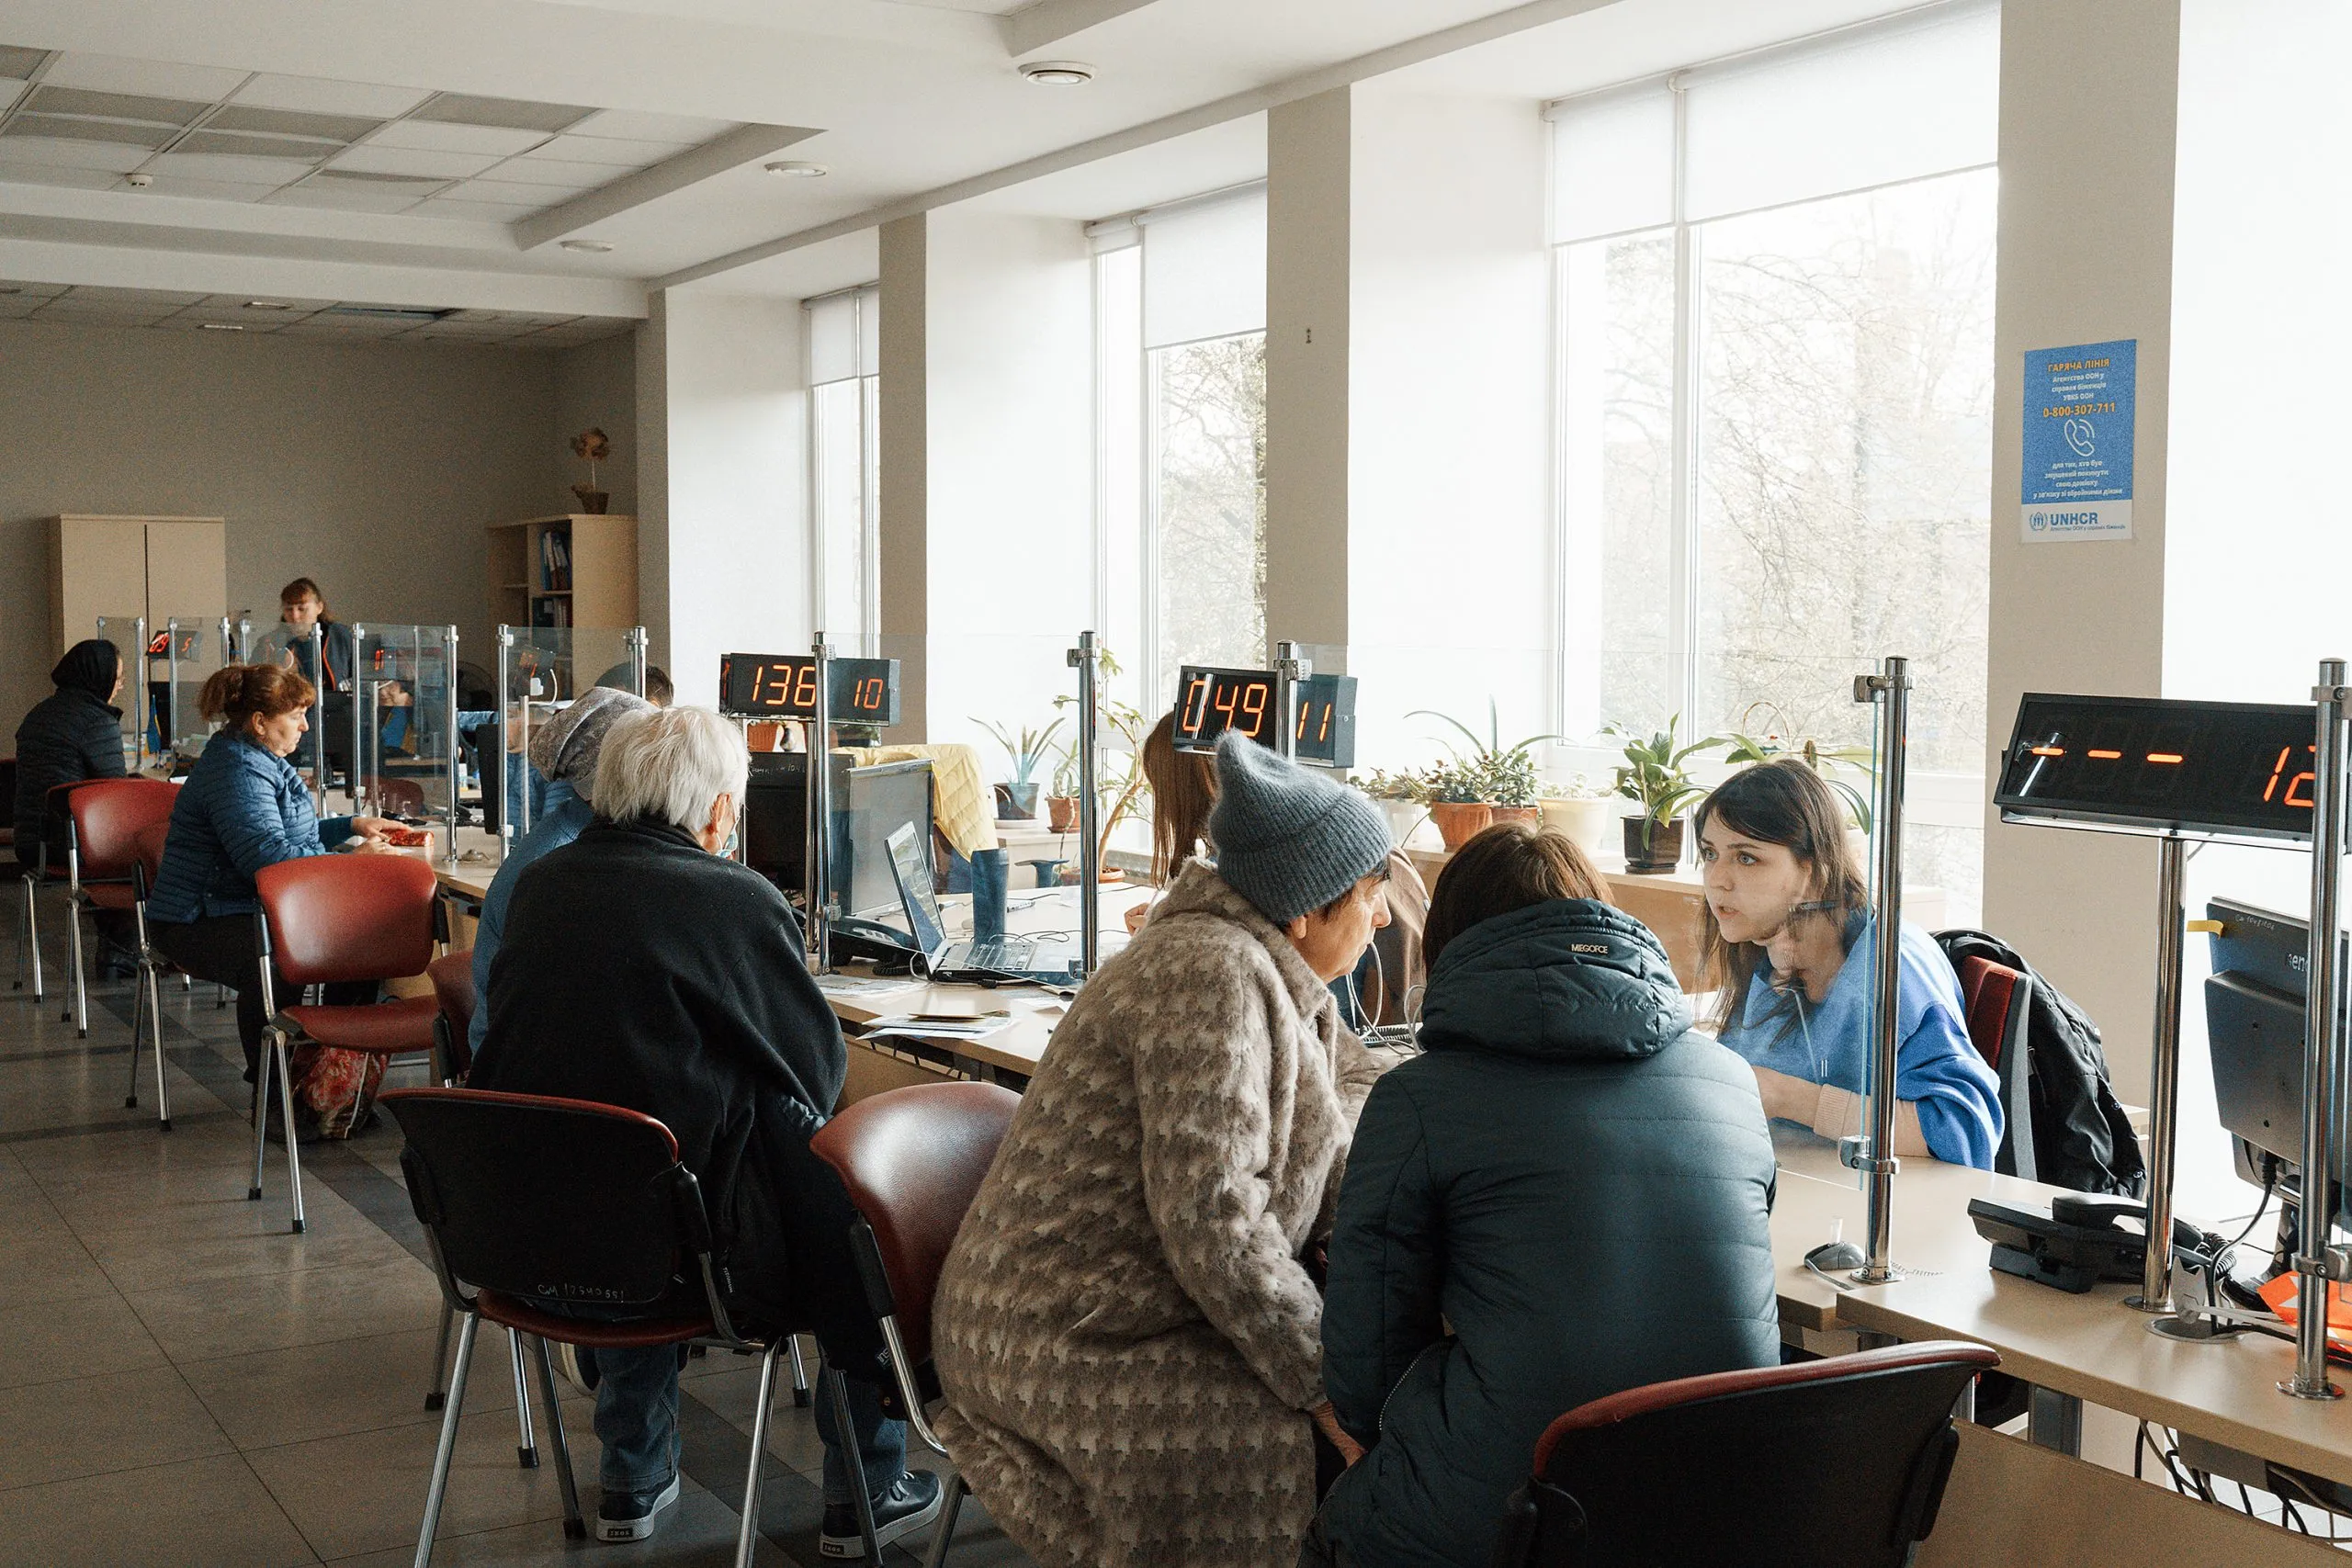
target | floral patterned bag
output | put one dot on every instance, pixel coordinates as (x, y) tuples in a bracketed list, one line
[(337, 1087)]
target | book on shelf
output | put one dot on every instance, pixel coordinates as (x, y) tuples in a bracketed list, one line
[(554, 558)]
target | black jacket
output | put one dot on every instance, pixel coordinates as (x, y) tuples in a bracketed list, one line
[(1575, 1183), (66, 737), (2082, 1138), (640, 971)]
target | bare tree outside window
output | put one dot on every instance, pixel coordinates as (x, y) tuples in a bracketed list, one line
[(1209, 413)]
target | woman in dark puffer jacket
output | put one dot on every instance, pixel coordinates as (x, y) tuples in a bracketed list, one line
[(1570, 1179), (72, 735)]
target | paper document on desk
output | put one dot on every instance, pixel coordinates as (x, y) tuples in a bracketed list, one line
[(862, 985), (929, 1026)]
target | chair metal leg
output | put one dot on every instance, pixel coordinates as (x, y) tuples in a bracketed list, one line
[(747, 1533), (29, 938), (574, 1527), (138, 1032), (944, 1531), (155, 1021), (433, 1399), (448, 1445), (78, 1012), (846, 1433), (261, 1117), (799, 1374), (220, 996), (526, 1447), (286, 1106)]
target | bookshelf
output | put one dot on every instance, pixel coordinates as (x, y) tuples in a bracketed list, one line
[(571, 570)]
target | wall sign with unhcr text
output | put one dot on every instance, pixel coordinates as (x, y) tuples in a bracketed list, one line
[(2079, 406)]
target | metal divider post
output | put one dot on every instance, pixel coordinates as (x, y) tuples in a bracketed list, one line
[(144, 705), (1289, 671), (818, 861), (635, 636), (319, 714), (2319, 1262), (449, 691), (1086, 660), (2163, 1092), (170, 685), (505, 757), (363, 704), (1875, 1155)]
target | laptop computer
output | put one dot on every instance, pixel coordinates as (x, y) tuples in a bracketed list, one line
[(1042, 959)]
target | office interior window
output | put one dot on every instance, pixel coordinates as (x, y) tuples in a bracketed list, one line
[(1776, 368), (844, 470), (1181, 315)]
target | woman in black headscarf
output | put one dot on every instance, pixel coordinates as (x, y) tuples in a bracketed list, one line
[(71, 736)]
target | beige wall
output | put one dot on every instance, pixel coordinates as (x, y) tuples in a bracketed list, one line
[(905, 500), (371, 468), (596, 384), (1308, 319)]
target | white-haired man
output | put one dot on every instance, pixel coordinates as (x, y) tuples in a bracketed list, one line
[(641, 968)]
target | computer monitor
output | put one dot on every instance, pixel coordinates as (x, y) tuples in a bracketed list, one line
[(867, 803), (882, 800), (2253, 1025)]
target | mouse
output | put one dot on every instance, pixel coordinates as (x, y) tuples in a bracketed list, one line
[(1834, 1255)]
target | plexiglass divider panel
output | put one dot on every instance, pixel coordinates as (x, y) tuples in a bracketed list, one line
[(542, 670), (193, 653), (405, 749), (128, 634), (303, 652)]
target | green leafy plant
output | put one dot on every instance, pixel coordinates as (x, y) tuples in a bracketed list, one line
[(1744, 748), (1120, 777), (1576, 787), (1654, 775), (1408, 788), (1489, 772), (1025, 748)]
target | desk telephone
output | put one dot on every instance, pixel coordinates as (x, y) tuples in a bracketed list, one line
[(2081, 1240), (891, 951)]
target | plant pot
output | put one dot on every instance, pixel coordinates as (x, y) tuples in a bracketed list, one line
[(1584, 823), (1403, 816), (1016, 802), (1661, 853), (1459, 821), (592, 501), (1061, 813), (1513, 814)]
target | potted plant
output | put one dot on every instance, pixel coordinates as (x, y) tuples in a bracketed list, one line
[(1119, 778), (1061, 799), (1401, 798), (1026, 749), (1498, 777), (1744, 748), (1578, 810), (1655, 779), (592, 446)]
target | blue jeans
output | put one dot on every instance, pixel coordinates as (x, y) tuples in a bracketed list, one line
[(637, 1420)]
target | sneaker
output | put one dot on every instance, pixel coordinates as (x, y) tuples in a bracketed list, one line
[(631, 1516), (575, 1368), (910, 1506)]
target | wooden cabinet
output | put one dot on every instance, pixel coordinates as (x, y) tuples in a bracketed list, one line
[(155, 566), (573, 570)]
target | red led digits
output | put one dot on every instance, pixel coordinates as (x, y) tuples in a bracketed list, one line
[(2294, 783), (1254, 707)]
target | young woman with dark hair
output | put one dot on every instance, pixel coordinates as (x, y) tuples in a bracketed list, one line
[(1787, 910), (1568, 1195)]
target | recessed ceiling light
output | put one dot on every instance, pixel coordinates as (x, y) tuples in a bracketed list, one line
[(1056, 72), (267, 304), (220, 326), (586, 247), (793, 168)]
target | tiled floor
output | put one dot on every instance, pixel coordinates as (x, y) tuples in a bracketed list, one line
[(183, 1382)]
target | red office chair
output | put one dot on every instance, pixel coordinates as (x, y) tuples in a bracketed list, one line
[(396, 797), (1835, 1463), (452, 975), (8, 793), (47, 871), (1999, 999), (103, 820), (912, 1160), (518, 1189), (329, 918), (146, 864)]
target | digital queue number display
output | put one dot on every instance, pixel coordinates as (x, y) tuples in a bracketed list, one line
[(1210, 701), (783, 685), (2225, 770)]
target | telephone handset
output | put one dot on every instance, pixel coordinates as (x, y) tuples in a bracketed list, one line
[(891, 950)]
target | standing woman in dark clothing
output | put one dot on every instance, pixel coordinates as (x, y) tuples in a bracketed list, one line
[(243, 807), (74, 735)]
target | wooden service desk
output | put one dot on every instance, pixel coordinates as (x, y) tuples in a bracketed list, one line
[(1674, 905)]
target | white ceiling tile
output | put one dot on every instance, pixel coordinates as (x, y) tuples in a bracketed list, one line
[(51, 174), (41, 151), (9, 90), (631, 123), (17, 310), (267, 173), (135, 298), (30, 290), (436, 137), (162, 79), (346, 197), (450, 210), (507, 192), (532, 169), (322, 97), (374, 160), (197, 321), (612, 151), (204, 188)]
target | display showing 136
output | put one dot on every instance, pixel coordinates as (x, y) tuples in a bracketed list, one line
[(2230, 769), (783, 685)]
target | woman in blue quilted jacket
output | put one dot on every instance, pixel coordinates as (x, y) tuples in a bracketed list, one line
[(243, 808)]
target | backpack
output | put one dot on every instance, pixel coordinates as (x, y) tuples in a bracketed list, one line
[(2081, 1137)]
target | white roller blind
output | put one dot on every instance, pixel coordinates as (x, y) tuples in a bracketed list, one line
[(1205, 271), (844, 336), (1924, 99), (1613, 162)]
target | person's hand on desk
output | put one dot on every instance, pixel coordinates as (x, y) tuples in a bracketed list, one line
[(369, 835), (1327, 1421), (1787, 1099), (1137, 915)]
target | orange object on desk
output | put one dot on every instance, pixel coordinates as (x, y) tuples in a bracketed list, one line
[(2280, 1294)]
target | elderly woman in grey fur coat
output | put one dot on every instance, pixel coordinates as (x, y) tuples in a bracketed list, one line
[(1125, 1331)]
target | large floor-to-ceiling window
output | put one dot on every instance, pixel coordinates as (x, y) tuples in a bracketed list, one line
[(1776, 371), (845, 411), (1180, 320)]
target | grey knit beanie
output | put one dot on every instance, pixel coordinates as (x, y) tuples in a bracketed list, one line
[(1288, 839), (566, 746)]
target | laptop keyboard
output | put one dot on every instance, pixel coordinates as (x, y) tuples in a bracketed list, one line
[(1009, 954)]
